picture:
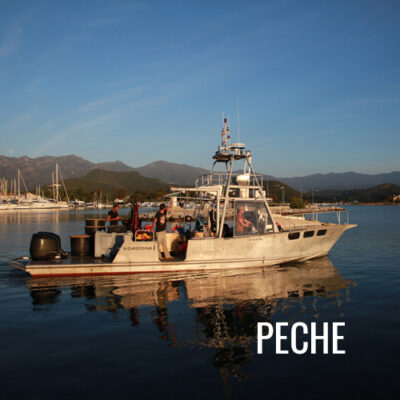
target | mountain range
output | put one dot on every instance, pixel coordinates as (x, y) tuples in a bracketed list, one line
[(340, 181), (114, 183), (376, 194), (37, 171)]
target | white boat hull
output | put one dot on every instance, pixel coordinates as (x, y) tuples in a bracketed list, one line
[(203, 254)]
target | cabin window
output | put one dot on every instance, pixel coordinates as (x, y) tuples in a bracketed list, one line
[(245, 218), (293, 235), (321, 232), (251, 217), (308, 234), (264, 220)]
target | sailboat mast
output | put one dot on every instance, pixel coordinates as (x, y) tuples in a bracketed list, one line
[(52, 186), (65, 188), (19, 183), (57, 194)]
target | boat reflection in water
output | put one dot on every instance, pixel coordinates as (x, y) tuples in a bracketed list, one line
[(225, 306)]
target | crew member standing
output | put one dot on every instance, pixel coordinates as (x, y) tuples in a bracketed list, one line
[(160, 223), (113, 216), (242, 224)]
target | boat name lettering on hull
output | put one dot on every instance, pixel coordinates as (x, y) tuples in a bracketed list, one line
[(129, 248)]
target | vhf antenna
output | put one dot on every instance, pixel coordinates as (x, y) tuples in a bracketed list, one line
[(237, 117)]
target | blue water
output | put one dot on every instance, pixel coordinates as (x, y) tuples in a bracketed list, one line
[(194, 336)]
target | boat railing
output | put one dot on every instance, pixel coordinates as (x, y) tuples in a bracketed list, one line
[(291, 221), (221, 178)]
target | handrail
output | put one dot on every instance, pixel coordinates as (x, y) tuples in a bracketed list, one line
[(221, 178), (290, 225)]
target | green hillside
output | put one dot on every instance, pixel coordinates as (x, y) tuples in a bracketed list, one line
[(274, 190), (119, 184), (376, 194)]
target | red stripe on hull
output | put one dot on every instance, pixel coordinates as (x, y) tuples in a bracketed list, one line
[(115, 273)]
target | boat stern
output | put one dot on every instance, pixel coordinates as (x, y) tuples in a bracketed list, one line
[(20, 263)]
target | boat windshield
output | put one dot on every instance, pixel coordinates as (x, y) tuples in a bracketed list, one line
[(251, 218)]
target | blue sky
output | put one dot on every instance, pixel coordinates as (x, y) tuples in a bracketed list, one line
[(318, 82)]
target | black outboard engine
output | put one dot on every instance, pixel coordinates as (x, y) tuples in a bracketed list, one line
[(46, 246)]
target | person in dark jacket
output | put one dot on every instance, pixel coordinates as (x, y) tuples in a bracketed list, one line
[(160, 224), (113, 216)]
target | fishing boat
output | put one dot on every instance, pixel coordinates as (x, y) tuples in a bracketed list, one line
[(250, 235)]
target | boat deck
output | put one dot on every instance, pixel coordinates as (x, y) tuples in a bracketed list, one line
[(88, 260), (74, 260), (311, 210)]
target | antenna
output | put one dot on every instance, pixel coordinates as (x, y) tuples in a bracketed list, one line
[(225, 133), (237, 117)]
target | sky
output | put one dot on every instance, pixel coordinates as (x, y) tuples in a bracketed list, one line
[(309, 86)]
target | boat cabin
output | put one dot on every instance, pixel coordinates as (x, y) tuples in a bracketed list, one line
[(251, 217)]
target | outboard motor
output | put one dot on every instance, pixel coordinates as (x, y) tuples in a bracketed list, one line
[(46, 246)]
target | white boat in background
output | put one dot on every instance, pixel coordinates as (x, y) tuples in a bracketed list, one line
[(148, 204), (216, 243), (38, 204), (98, 201), (101, 206), (6, 205), (77, 203), (57, 200), (28, 201)]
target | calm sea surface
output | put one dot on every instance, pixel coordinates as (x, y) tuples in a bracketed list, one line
[(194, 336)]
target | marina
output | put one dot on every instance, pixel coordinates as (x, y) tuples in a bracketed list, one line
[(13, 198)]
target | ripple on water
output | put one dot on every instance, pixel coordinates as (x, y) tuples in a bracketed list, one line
[(180, 334)]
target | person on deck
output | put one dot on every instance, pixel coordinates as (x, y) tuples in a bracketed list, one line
[(160, 223), (113, 216), (242, 224)]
